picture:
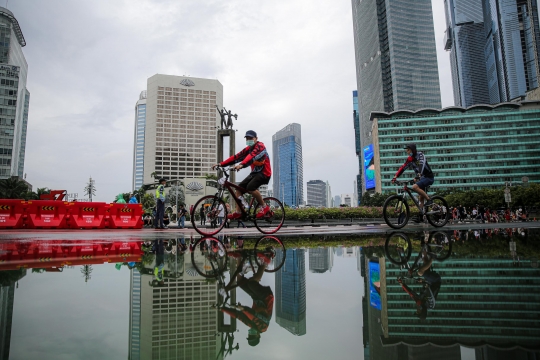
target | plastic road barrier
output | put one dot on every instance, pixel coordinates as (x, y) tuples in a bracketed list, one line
[(125, 216), (87, 215), (46, 214), (12, 213)]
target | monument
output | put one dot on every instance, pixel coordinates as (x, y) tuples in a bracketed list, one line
[(226, 131)]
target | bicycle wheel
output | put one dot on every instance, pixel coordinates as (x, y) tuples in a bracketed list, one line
[(398, 248), (270, 252), (396, 212), (440, 245), (211, 207), (209, 257), (273, 220), (437, 214)]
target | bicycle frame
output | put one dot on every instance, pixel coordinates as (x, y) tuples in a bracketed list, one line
[(231, 187), (404, 196)]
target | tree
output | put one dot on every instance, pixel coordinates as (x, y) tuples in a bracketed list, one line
[(148, 202), (13, 188), (211, 177), (171, 196), (86, 270), (90, 189)]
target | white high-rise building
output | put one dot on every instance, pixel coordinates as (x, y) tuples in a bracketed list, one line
[(14, 97), (347, 199), (138, 142), (328, 195), (181, 126)]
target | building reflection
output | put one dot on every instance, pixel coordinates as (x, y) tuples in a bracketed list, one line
[(8, 281), (321, 259), (486, 302), (291, 292), (171, 311)]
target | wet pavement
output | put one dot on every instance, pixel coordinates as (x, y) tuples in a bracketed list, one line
[(346, 292)]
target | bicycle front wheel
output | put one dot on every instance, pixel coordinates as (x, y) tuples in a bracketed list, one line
[(209, 257), (270, 252), (440, 245), (437, 214), (215, 215), (396, 212), (273, 220), (398, 248)]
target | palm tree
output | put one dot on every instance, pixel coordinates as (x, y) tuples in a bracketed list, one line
[(12, 188)]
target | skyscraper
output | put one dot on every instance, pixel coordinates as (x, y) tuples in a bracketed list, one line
[(512, 45), (321, 259), (337, 200), (465, 40), (316, 193), (181, 126), (396, 60), (14, 97), (288, 168), (356, 122), (138, 142), (7, 298), (328, 195), (291, 292)]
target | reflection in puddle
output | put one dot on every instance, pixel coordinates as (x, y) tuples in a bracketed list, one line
[(424, 294)]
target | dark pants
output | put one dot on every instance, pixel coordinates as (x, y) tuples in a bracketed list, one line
[(159, 214)]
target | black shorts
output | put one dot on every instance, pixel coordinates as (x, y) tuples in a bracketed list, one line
[(253, 181)]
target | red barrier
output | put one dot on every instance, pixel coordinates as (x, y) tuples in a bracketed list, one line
[(46, 214), (87, 215), (12, 213), (125, 216)]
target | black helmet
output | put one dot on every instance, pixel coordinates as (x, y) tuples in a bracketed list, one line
[(411, 146), (162, 180)]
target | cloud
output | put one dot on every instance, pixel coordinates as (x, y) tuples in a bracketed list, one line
[(279, 62)]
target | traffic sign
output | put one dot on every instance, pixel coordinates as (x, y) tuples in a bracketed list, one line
[(507, 191), (507, 197)]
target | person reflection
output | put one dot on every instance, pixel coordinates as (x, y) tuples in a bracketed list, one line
[(431, 284), (258, 316), (159, 247)]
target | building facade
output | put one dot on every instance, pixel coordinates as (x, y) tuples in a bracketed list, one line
[(465, 41), (321, 259), (181, 126), (138, 142), (14, 97), (511, 48), (316, 193), (328, 195), (396, 63), (337, 201), (358, 146), (291, 292), (347, 199), (483, 146), (287, 167)]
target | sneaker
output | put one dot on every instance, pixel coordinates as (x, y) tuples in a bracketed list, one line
[(429, 202), (263, 212), (234, 216)]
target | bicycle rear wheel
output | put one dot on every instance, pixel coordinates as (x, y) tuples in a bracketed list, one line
[(209, 257), (398, 248), (211, 210), (270, 252), (396, 212), (274, 218), (440, 245), (437, 214)]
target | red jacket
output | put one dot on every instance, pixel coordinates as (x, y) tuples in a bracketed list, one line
[(255, 156)]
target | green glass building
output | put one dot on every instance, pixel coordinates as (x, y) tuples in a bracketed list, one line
[(482, 146)]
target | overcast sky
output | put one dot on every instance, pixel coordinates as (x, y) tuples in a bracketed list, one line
[(279, 61)]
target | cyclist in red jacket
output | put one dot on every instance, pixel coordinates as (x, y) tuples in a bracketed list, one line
[(256, 156)]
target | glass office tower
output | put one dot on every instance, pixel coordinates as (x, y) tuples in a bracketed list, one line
[(14, 97), (465, 40), (287, 167), (396, 60), (138, 145), (512, 44)]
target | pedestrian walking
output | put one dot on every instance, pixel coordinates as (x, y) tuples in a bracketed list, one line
[(202, 215), (160, 204), (221, 214)]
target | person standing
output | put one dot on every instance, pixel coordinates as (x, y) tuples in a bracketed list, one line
[(182, 216), (202, 215), (133, 199), (221, 213), (160, 204)]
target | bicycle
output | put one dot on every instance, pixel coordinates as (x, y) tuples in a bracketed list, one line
[(396, 212), (209, 256), (436, 246), (213, 206)]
